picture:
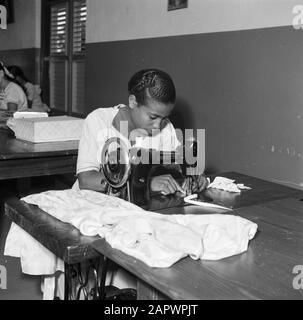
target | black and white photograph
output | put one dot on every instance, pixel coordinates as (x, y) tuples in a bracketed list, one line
[(150, 153)]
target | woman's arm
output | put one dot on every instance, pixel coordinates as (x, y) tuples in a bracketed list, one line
[(11, 107), (92, 180), (29, 103)]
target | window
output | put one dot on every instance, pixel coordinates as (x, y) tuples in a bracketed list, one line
[(63, 50)]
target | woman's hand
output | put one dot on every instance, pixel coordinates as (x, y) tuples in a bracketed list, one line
[(195, 184), (165, 184), (201, 183)]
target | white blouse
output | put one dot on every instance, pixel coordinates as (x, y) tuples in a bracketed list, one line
[(13, 94), (98, 129)]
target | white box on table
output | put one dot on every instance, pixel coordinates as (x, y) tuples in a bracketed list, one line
[(52, 129)]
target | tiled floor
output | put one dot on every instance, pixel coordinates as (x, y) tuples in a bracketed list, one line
[(19, 285)]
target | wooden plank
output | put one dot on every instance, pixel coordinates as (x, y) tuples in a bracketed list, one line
[(64, 240), (45, 166), (286, 215), (11, 148), (146, 292), (262, 191)]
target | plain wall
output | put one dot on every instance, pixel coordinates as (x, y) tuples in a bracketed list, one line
[(24, 33), (112, 20), (20, 43), (244, 87)]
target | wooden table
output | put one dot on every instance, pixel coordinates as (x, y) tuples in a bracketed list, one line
[(264, 271), (60, 238), (262, 191), (64, 240), (21, 159)]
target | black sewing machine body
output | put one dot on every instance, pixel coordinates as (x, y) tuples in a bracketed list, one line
[(128, 171)]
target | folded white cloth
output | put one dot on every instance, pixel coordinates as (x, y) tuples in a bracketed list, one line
[(156, 239), (227, 185), (29, 114)]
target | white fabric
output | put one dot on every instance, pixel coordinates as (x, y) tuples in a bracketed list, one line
[(20, 244), (98, 129), (29, 114), (226, 184), (13, 94), (158, 240), (193, 199)]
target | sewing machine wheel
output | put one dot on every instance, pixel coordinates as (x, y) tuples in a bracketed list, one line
[(116, 162)]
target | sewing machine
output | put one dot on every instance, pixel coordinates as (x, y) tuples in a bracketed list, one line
[(127, 170)]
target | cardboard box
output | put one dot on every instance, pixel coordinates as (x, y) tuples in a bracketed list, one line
[(50, 129)]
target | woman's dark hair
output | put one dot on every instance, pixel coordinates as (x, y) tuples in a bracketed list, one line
[(6, 72), (17, 72), (152, 83)]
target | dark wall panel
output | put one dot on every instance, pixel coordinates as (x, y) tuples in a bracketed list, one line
[(244, 87), (27, 59)]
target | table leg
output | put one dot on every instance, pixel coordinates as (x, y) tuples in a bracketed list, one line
[(147, 292), (82, 281)]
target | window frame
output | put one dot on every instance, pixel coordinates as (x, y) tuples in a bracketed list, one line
[(69, 55)]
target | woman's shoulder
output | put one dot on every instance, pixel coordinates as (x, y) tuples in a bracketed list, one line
[(103, 115), (14, 88), (103, 112)]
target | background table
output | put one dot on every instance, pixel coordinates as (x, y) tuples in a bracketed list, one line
[(21, 159)]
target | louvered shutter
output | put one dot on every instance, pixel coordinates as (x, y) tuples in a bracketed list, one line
[(78, 79), (78, 94), (79, 24), (58, 36), (67, 56), (58, 84)]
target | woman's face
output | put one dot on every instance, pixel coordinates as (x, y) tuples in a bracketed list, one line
[(151, 115)]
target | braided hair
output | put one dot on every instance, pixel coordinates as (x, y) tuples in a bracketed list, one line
[(152, 83)]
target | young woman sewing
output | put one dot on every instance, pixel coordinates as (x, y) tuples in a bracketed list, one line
[(152, 97)]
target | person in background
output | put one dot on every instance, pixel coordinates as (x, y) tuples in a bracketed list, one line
[(33, 92), (12, 97)]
